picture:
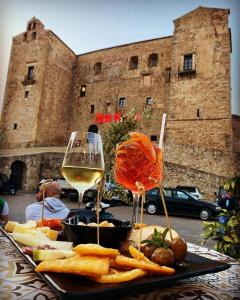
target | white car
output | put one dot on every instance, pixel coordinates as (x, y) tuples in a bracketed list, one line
[(194, 191)]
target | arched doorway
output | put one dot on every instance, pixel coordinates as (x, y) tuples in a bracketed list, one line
[(18, 173), (93, 128)]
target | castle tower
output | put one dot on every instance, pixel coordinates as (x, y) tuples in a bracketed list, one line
[(199, 130), (36, 103)]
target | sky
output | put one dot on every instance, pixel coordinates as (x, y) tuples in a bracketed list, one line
[(88, 25)]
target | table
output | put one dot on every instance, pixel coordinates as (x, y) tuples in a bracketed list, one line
[(18, 280)]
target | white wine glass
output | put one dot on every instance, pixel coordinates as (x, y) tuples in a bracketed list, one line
[(83, 164)]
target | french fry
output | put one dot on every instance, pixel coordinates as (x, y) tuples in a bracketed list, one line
[(117, 276), (123, 261), (94, 249), (137, 254), (79, 265)]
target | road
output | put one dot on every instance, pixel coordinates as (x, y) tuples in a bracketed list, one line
[(190, 229)]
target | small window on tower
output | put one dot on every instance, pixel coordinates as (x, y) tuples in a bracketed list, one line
[(149, 101), (188, 62), (97, 68), (198, 113), (34, 35), (26, 94), (29, 26), (25, 37), (133, 63), (15, 126), (83, 91), (34, 26), (30, 73), (153, 138), (92, 109), (167, 75), (121, 102), (153, 60)]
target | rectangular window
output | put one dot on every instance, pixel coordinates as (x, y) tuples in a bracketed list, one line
[(149, 100), (26, 94), (133, 63), (187, 62), (167, 75), (83, 91), (121, 102), (15, 126), (34, 35), (97, 68), (153, 138), (198, 113), (30, 73), (92, 109)]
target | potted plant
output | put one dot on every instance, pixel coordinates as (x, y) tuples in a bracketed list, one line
[(226, 232)]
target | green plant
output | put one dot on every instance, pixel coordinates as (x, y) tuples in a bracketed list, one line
[(233, 185), (158, 239), (226, 232)]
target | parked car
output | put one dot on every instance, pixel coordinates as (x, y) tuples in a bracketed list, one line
[(7, 186), (193, 190), (180, 203)]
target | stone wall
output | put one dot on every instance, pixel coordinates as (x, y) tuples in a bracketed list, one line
[(17, 108), (35, 167), (199, 108), (116, 80), (55, 108), (208, 183), (42, 117)]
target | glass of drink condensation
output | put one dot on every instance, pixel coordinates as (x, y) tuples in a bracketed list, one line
[(83, 164)]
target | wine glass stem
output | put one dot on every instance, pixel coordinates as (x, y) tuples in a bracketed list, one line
[(135, 207), (80, 199)]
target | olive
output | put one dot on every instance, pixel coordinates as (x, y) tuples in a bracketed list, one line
[(163, 256), (148, 250), (179, 247)]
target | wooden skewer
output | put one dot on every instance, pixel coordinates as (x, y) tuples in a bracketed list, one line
[(43, 187), (166, 212), (141, 191), (98, 183)]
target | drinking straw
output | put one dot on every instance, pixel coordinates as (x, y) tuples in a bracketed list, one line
[(160, 187), (162, 130)]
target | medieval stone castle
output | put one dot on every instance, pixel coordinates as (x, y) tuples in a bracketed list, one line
[(51, 91)]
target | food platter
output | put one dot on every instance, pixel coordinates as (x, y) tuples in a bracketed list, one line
[(77, 287)]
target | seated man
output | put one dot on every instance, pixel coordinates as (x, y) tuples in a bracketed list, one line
[(4, 211), (53, 207)]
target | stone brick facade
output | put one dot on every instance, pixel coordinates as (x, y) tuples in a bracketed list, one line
[(50, 92)]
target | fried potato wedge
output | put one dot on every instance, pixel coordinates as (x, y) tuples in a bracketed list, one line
[(79, 265), (117, 276), (138, 225), (137, 254), (123, 261), (94, 249)]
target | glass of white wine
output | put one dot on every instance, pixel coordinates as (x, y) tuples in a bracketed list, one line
[(83, 164)]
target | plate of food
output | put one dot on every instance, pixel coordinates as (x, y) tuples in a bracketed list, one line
[(90, 271)]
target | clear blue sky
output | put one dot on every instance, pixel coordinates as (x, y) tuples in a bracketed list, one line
[(87, 25)]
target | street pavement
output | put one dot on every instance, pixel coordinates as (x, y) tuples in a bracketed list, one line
[(190, 229)]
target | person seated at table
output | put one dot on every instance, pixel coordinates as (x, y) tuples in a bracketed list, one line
[(53, 207), (4, 211)]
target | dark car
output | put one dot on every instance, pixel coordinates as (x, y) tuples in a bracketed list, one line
[(7, 186), (180, 203)]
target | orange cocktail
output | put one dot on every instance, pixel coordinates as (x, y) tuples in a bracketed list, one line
[(138, 161)]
